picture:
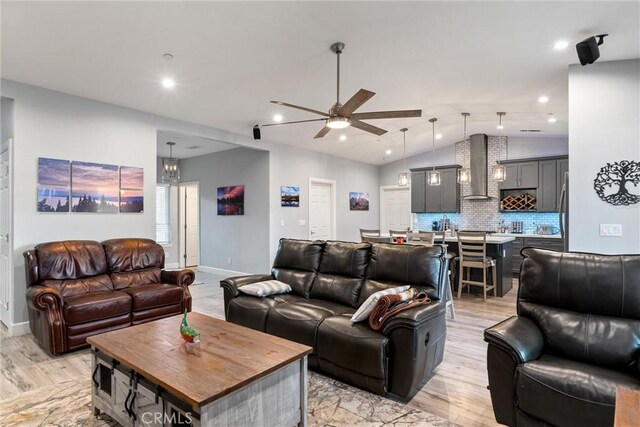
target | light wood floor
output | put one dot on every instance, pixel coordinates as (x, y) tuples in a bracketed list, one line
[(458, 392)]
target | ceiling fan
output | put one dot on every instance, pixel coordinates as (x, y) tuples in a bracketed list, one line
[(342, 116)]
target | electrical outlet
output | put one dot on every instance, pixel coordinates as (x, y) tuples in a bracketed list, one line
[(610, 230), (229, 260)]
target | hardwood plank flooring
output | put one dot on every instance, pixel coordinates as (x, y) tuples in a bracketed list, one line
[(458, 392)]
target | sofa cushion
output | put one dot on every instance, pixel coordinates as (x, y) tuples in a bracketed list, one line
[(420, 267), (550, 388), (299, 321), (133, 254), (71, 259), (129, 279), (296, 264), (154, 295), (95, 306), (71, 287), (367, 354)]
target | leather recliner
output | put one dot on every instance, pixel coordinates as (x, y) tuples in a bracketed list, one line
[(79, 288), (329, 281), (575, 340)]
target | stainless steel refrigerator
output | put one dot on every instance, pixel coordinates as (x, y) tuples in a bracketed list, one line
[(564, 211)]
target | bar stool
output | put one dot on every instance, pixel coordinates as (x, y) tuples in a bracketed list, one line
[(473, 254)]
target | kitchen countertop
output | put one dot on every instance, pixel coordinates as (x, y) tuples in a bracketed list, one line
[(544, 236), (496, 239)]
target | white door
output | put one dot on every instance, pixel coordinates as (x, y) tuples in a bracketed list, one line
[(395, 209), (6, 234), (321, 210), (191, 225)]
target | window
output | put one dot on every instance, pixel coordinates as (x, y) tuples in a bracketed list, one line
[(163, 216)]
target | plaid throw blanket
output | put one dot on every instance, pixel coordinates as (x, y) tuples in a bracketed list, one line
[(390, 305)]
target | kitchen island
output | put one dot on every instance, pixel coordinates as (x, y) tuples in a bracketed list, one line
[(500, 248)]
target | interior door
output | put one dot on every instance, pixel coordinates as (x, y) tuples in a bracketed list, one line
[(396, 209), (191, 226), (6, 234), (320, 226)]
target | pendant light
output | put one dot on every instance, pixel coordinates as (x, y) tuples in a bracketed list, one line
[(464, 173), (170, 167), (433, 176), (403, 177), (499, 172)]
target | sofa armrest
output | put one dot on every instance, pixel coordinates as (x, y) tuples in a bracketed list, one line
[(44, 298), (518, 336), (183, 277), (413, 318), (231, 284)]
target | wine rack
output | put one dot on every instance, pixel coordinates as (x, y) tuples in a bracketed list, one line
[(518, 202)]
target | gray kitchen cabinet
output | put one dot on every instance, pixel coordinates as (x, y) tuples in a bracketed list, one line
[(520, 175), (418, 188), (443, 198), (547, 186), (552, 244)]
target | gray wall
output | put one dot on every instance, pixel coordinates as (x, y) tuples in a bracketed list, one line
[(243, 238), (6, 113), (519, 147), (604, 126)]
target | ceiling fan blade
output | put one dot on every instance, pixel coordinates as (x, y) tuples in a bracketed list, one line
[(301, 108), (355, 102), (325, 130), (367, 127), (290, 123), (387, 114)]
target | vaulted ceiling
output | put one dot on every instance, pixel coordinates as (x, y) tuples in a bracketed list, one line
[(232, 58)]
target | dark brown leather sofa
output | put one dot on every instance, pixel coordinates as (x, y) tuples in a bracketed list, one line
[(329, 281), (79, 288), (576, 339)]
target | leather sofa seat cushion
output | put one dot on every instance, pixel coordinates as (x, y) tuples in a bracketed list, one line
[(71, 287), (420, 267), (133, 254), (299, 321), (72, 259), (154, 295), (367, 349), (250, 311), (95, 306), (135, 278), (300, 281), (550, 388)]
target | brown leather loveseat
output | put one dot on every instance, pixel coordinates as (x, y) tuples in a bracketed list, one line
[(79, 288)]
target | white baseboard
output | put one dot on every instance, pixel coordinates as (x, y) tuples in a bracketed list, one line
[(16, 329), (172, 265), (221, 271)]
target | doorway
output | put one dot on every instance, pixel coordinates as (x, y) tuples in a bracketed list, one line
[(6, 232), (322, 209), (189, 232), (395, 208)]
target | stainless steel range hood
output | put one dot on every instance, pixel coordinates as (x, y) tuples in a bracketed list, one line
[(478, 165)]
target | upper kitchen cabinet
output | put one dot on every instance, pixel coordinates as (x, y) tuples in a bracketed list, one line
[(442, 198), (520, 175), (547, 186)]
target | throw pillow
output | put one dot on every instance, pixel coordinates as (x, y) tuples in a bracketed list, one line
[(367, 307), (266, 288)]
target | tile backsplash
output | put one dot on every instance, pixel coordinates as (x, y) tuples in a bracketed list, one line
[(485, 214)]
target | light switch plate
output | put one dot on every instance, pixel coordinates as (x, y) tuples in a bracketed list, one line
[(611, 230)]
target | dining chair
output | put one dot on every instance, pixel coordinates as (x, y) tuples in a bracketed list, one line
[(473, 254), (369, 232), (376, 239), (398, 233)]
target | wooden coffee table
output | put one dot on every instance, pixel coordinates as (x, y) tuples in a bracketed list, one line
[(627, 408), (141, 376)]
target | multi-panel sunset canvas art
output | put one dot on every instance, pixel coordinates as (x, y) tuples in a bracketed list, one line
[(53, 185), (94, 187), (131, 189)]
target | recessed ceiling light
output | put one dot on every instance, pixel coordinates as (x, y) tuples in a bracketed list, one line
[(500, 127), (387, 152), (277, 117), (561, 45), (438, 136), (543, 99), (168, 83), (552, 120), (343, 137), (167, 56)]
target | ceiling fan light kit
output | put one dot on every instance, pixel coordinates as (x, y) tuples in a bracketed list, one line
[(341, 116)]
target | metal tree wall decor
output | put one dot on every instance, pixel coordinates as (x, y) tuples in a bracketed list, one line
[(618, 174)]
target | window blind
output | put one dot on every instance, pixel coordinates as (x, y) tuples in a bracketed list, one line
[(163, 225)]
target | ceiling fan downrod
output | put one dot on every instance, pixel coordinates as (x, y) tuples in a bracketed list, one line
[(337, 49)]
